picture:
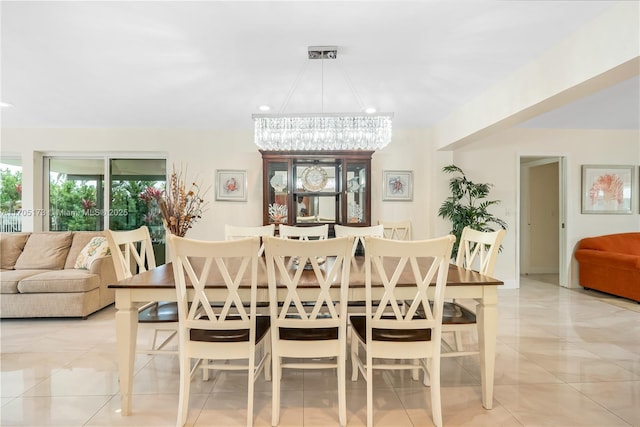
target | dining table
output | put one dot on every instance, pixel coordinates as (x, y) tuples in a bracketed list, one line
[(158, 285)]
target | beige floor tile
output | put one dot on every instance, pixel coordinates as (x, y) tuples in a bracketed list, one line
[(554, 405), (461, 406), (148, 411), (621, 398), (68, 411), (555, 366)]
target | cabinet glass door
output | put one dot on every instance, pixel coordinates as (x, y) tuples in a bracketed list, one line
[(278, 192), (356, 191), (316, 191)]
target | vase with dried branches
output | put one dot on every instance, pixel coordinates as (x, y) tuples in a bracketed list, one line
[(182, 205)]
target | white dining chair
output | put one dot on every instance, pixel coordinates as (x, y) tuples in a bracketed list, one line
[(314, 232), (309, 323), (397, 230), (132, 253), (227, 332), (395, 338), (359, 233), (477, 250), (232, 232)]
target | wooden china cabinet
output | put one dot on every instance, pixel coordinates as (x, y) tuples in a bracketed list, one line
[(316, 187)]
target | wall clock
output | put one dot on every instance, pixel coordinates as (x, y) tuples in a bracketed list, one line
[(314, 178)]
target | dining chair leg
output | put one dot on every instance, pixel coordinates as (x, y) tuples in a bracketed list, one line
[(275, 394), (415, 373), (354, 357), (205, 370), (369, 374), (183, 399), (266, 348), (250, 389), (342, 398), (458, 339), (436, 404)]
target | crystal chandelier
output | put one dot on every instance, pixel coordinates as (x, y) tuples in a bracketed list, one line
[(322, 131)]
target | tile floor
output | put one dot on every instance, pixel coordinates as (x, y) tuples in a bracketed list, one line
[(565, 358)]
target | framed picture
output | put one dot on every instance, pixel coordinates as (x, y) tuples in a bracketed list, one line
[(231, 185), (397, 185), (607, 189)]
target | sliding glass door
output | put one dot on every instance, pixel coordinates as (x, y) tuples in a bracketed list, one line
[(136, 187), (80, 198)]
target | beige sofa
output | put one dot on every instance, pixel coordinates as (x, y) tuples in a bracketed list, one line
[(38, 278)]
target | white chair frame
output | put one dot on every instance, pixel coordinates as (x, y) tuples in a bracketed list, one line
[(424, 354), (359, 233), (397, 230), (477, 250), (308, 309), (317, 232), (126, 254), (234, 262), (232, 232)]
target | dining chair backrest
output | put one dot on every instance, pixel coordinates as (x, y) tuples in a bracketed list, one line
[(328, 262), (233, 232), (226, 263), (131, 249), (386, 259), (316, 232), (359, 233), (397, 327), (478, 250), (397, 230)]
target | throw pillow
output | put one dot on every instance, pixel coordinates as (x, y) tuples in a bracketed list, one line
[(11, 246), (45, 251), (96, 248)]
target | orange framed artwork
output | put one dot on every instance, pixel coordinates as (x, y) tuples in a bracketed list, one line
[(607, 189)]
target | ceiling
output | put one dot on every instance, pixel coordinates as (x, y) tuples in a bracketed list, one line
[(210, 64)]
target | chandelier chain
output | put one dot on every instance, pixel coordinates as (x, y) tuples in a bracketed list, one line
[(345, 75), (293, 87)]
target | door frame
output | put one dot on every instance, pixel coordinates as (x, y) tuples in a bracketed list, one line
[(544, 158)]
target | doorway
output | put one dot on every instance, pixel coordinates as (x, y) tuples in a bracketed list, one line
[(542, 219)]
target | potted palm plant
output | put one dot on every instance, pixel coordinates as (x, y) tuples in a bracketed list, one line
[(467, 206)]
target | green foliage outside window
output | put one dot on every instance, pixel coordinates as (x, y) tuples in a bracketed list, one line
[(10, 190), (73, 206)]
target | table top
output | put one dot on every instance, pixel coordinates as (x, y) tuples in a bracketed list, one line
[(162, 277)]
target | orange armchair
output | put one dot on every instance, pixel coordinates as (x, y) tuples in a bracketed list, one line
[(611, 264)]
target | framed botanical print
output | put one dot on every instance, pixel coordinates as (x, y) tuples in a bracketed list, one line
[(231, 185), (607, 189), (397, 185)]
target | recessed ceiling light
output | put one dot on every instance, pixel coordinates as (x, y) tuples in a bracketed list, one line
[(264, 108), (370, 110), (5, 105)]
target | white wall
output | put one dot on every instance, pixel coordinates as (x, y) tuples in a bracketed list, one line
[(204, 151), (496, 160)]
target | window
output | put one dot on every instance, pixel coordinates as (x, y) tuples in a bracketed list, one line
[(76, 194), (80, 198), (10, 194)]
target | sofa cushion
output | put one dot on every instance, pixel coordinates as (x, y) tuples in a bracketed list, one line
[(46, 251), (11, 246), (9, 279), (80, 241), (96, 248), (60, 281)]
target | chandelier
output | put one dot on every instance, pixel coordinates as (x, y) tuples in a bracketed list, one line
[(322, 131)]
